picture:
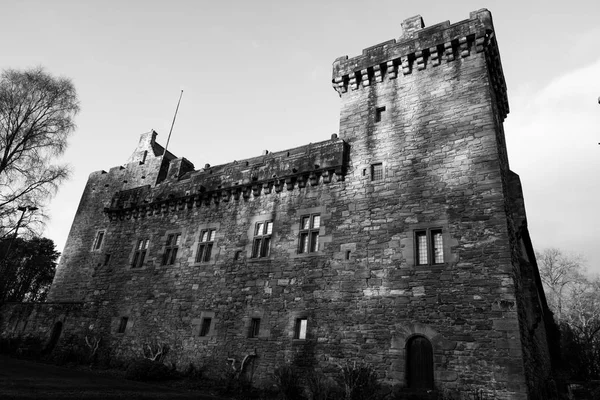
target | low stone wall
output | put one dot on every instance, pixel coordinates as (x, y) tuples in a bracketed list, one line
[(49, 325)]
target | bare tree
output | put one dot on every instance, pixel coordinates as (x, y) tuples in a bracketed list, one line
[(574, 298), (559, 273), (37, 114)]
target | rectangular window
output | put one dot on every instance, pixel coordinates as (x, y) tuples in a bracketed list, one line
[(429, 247), (98, 240), (123, 325), (171, 248), (300, 328), (379, 113), (377, 172), (205, 327), (207, 238), (309, 233), (254, 328), (106, 259), (140, 253), (262, 239)]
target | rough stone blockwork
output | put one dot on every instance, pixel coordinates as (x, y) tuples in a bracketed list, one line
[(415, 255)]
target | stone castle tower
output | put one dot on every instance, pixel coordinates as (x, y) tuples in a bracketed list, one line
[(402, 242)]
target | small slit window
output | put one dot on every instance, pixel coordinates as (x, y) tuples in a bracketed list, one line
[(254, 328), (300, 328), (98, 241), (379, 113), (205, 326), (123, 325)]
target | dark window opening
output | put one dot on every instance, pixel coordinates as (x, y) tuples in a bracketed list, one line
[(171, 249), (348, 254), (237, 255), (207, 238), (262, 239), (419, 371), (300, 328), (376, 172), (106, 259), (140, 253), (205, 327), (99, 239), (309, 233), (379, 113), (56, 331), (123, 325), (254, 328), (429, 247)]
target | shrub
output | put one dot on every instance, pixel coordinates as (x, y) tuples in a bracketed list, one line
[(287, 380), (9, 345), (319, 386), (146, 370), (359, 380)]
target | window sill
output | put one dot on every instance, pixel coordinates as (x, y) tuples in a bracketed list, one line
[(259, 259), (307, 255), (202, 263)]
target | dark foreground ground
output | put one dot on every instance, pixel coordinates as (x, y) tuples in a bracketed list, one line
[(28, 380)]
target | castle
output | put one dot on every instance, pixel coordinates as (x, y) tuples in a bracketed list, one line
[(402, 240)]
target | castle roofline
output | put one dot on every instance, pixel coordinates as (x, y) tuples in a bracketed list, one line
[(419, 48)]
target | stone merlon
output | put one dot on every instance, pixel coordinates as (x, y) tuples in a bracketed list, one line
[(419, 48)]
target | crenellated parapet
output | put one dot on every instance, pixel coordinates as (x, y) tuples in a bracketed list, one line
[(310, 165), (420, 48)]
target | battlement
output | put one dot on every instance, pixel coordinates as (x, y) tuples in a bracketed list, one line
[(419, 48), (315, 163)]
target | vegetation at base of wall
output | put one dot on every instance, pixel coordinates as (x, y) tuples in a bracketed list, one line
[(288, 382), (143, 369), (359, 380)]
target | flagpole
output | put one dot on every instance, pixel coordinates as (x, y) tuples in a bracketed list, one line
[(172, 124)]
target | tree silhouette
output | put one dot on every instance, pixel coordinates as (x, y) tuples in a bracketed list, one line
[(37, 114)]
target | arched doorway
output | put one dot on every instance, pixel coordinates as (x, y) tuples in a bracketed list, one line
[(56, 331), (419, 363)]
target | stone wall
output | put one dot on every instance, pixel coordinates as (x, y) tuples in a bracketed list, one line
[(427, 112)]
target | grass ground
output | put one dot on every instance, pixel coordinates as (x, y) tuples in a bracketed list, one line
[(21, 379)]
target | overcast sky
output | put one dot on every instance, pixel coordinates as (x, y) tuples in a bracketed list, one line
[(257, 75)]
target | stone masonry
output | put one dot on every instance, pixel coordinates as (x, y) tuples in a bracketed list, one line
[(419, 170)]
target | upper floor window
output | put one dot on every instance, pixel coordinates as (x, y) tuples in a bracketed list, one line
[(98, 241), (376, 172), (309, 233), (262, 239), (429, 247), (171, 248), (205, 326), (207, 239), (379, 113), (140, 253), (300, 328), (254, 328), (122, 325)]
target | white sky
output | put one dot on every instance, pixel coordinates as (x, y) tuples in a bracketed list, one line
[(256, 75)]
